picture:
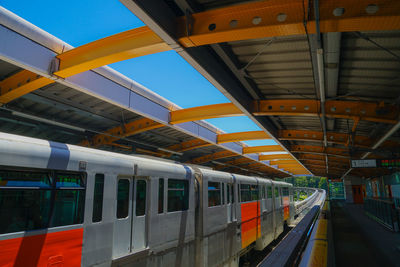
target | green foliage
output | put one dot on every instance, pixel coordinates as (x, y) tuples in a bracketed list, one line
[(308, 181)]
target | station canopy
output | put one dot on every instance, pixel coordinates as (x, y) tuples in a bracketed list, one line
[(321, 78)]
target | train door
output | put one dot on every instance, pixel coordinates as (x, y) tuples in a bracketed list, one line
[(357, 194), (139, 231), (123, 222)]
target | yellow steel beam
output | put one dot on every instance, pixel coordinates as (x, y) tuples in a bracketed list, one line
[(356, 110), (260, 149), (287, 166), (204, 112), (362, 110), (189, 145), (332, 137), (142, 151), (275, 157), (242, 136), (238, 162), (128, 129), (122, 46), (330, 164), (319, 150), (285, 17), (214, 156), (285, 162), (321, 158), (20, 84)]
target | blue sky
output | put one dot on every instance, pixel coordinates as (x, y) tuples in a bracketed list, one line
[(82, 21)]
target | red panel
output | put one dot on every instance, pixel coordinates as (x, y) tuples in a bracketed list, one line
[(57, 249), (251, 229)]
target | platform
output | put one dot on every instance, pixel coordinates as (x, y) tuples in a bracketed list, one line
[(361, 241)]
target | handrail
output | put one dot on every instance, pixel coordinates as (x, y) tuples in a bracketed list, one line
[(317, 252)]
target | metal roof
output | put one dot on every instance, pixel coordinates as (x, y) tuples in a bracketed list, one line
[(290, 59), (76, 110), (358, 65)]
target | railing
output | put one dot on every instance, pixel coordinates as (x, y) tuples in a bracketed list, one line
[(289, 250), (318, 252), (383, 211), (306, 203)]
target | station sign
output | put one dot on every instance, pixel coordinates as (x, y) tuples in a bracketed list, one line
[(363, 163), (375, 163)]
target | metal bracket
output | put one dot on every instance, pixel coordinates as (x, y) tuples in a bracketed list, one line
[(189, 22)]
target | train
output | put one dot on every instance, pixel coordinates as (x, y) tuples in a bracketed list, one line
[(67, 205)]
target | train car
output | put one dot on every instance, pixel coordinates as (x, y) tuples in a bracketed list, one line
[(65, 205)]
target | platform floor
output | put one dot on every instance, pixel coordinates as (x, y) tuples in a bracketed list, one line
[(361, 241)]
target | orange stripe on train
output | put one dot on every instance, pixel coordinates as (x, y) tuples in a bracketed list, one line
[(62, 248), (251, 228)]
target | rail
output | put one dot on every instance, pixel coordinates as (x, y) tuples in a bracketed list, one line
[(306, 203), (319, 251), (289, 250)]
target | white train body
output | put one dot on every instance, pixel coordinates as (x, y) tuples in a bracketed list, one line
[(65, 205)]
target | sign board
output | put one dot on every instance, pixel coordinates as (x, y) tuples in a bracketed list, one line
[(336, 190), (388, 163), (363, 163), (375, 163)]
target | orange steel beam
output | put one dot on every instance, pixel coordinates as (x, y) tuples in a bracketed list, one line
[(284, 17), (214, 156), (331, 160), (284, 162), (274, 157), (239, 162), (142, 151), (322, 157), (189, 145), (260, 149), (313, 166), (242, 136), (292, 165), (317, 162), (204, 112), (369, 111), (20, 84), (332, 137), (122, 46), (320, 150), (128, 129)]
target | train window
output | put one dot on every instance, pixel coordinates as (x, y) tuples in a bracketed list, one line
[(69, 180), (140, 197), (223, 193), (245, 193), (269, 192), (263, 192), (254, 192), (26, 179), (178, 195), (214, 194), (276, 192), (69, 199), (232, 193), (285, 191), (29, 199), (228, 193), (21, 206), (123, 198), (98, 197), (161, 195)]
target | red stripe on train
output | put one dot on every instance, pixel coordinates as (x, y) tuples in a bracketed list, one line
[(62, 248)]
